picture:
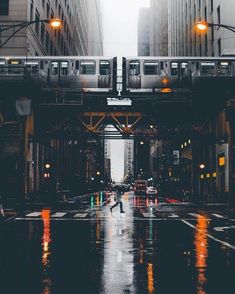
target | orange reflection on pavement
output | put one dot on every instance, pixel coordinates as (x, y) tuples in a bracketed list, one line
[(46, 240), (141, 251), (150, 278), (98, 231), (201, 250)]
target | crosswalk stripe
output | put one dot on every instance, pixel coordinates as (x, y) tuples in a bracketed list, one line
[(34, 214), (147, 214), (173, 215), (217, 215), (195, 215), (59, 214), (80, 215)]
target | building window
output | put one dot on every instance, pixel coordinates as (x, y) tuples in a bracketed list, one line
[(43, 3), (206, 45), (37, 18), (212, 5), (31, 11), (218, 14), (219, 47), (48, 10), (47, 41), (4, 7), (42, 33)]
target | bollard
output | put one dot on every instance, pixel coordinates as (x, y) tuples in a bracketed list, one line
[(1, 208)]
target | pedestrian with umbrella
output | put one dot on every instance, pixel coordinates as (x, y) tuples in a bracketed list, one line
[(118, 198)]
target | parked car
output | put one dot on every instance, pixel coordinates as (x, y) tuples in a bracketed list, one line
[(151, 191)]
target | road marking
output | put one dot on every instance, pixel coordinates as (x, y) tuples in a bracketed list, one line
[(195, 215), (208, 235), (34, 214), (80, 214), (59, 214), (173, 215), (147, 214), (217, 215), (220, 229)]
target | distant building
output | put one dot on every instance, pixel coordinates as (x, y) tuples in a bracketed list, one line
[(185, 41), (159, 27), (81, 33), (144, 32), (128, 158)]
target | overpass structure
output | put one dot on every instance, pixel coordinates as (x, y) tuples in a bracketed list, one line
[(62, 109)]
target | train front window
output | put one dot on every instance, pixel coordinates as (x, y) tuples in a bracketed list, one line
[(87, 67), (54, 68), (174, 69), (64, 68), (134, 68), (184, 68), (2, 66), (224, 69), (150, 67), (15, 67), (32, 66), (207, 68), (104, 67)]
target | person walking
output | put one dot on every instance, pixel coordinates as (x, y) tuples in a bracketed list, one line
[(118, 200)]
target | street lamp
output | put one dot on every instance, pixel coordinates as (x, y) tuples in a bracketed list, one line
[(202, 26), (55, 23)]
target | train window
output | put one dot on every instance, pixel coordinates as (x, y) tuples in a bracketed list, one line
[(184, 68), (207, 68), (64, 68), (104, 67), (87, 67), (2, 66), (224, 68), (54, 68), (150, 67), (41, 64), (174, 68), (32, 66), (77, 65), (15, 66), (134, 68)]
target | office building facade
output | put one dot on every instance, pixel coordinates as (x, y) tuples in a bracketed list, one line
[(144, 32), (80, 34)]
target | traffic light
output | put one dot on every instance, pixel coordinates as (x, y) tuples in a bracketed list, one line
[(47, 170)]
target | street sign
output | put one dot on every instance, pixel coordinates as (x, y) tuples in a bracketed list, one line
[(176, 157)]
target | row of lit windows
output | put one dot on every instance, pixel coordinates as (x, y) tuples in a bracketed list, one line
[(185, 144), (208, 175)]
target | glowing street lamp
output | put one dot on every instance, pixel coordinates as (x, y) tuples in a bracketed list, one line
[(202, 166), (55, 23), (202, 26)]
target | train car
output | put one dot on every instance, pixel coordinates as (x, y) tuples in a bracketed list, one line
[(176, 74), (88, 74)]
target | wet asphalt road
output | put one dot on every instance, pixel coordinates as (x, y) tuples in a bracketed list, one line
[(150, 249)]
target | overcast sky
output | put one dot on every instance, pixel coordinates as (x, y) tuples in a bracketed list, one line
[(120, 39)]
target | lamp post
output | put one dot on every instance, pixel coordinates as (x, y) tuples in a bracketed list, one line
[(202, 26), (54, 23)]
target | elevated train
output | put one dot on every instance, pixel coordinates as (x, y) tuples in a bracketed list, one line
[(141, 76), (172, 74), (87, 73)]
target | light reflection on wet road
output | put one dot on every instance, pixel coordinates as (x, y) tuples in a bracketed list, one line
[(115, 253)]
